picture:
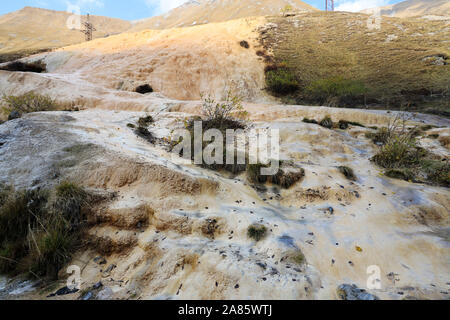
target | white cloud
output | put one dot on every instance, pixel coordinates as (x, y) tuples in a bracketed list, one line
[(358, 5), (162, 6), (83, 4)]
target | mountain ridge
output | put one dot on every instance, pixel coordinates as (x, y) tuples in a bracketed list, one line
[(413, 8), (34, 29), (195, 12)]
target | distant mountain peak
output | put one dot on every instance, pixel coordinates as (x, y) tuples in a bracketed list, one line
[(195, 12)]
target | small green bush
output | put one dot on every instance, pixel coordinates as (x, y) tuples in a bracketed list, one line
[(256, 232), (228, 114), (244, 44), (381, 136), (326, 123), (348, 173), (297, 257), (145, 121), (344, 124), (401, 174), (40, 229), (437, 172), (143, 132), (282, 178), (306, 120), (281, 81), (27, 103), (399, 152)]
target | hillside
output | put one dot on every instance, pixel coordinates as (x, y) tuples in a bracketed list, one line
[(406, 59), (197, 12), (99, 166), (33, 29), (413, 8), (404, 63)]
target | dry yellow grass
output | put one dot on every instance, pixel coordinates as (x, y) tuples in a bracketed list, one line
[(33, 29), (388, 61), (412, 8), (204, 11)]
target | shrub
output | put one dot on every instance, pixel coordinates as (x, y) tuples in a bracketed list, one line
[(327, 122), (37, 67), (381, 136), (306, 120), (281, 81), (437, 172), (141, 129), (244, 44), (344, 124), (145, 121), (27, 103), (282, 178), (143, 89), (40, 229), (335, 89), (348, 173), (399, 151), (401, 174), (256, 232), (228, 114), (143, 132), (405, 160), (297, 257)]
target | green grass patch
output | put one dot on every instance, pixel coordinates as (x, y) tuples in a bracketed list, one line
[(281, 81), (405, 160), (40, 229), (380, 136), (335, 91), (257, 232)]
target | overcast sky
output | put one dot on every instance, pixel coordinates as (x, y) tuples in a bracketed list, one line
[(139, 9)]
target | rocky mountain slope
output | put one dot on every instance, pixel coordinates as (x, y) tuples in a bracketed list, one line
[(404, 55), (174, 230), (414, 8), (197, 12), (31, 29), (192, 243)]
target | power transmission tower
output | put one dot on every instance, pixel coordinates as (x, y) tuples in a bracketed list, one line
[(88, 28), (329, 5)]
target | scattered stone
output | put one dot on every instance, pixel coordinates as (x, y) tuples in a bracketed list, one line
[(14, 115), (105, 294), (352, 292), (63, 291), (100, 260), (87, 296), (98, 285)]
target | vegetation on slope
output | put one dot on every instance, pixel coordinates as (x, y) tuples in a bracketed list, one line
[(339, 61), (404, 159), (40, 229)]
